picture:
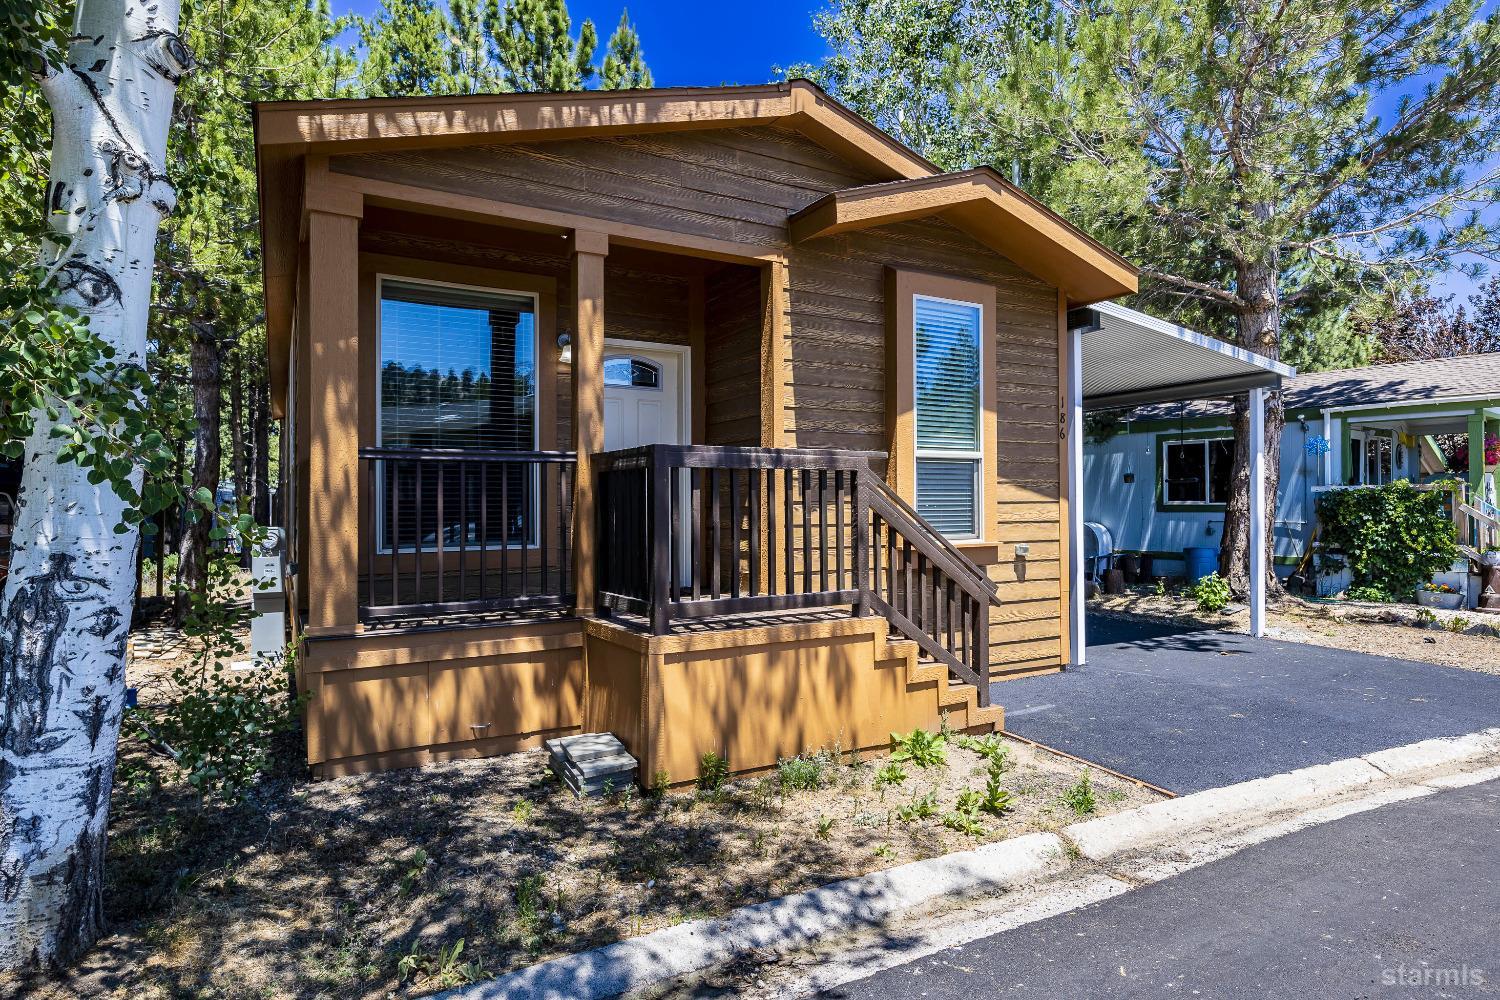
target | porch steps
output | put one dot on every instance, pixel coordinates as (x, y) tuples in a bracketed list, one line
[(961, 701), (1014, 673)]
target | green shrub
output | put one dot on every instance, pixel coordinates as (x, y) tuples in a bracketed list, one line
[(804, 772), (1080, 798), (1373, 594), (1395, 537), (713, 771), (920, 808), (1212, 593), (920, 747)]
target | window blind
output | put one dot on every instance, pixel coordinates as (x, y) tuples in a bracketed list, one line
[(947, 374), (457, 368), (947, 397)]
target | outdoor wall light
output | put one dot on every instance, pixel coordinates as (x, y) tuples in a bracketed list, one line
[(564, 349)]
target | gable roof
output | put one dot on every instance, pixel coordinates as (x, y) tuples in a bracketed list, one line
[(992, 210), (288, 132), (1463, 378)]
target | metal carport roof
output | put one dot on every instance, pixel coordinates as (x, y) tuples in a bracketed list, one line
[(1130, 358)]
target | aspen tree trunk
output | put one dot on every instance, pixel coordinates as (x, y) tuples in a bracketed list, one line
[(65, 610)]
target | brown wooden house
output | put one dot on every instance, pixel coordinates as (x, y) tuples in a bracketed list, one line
[(714, 418)]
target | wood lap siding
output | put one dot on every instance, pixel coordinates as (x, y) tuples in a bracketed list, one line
[(835, 396), (740, 185), (731, 339)]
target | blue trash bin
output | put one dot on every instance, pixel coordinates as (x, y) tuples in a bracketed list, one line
[(1201, 561)]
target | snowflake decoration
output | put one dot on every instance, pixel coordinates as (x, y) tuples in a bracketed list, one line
[(1317, 446)]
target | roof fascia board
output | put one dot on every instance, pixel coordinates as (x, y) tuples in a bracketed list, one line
[(956, 197), (1180, 393), (1482, 399), (347, 126)]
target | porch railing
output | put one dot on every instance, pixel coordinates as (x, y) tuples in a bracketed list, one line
[(690, 531), (457, 530)]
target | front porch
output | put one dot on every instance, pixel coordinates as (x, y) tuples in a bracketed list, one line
[(497, 595)]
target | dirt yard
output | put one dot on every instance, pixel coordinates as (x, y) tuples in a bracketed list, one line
[(402, 883), (1362, 628)]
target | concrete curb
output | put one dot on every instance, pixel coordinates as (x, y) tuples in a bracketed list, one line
[(779, 923), (1155, 822), (1161, 822), (782, 924)]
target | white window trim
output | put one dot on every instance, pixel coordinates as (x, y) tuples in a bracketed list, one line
[(536, 366), (976, 456), (1205, 442)]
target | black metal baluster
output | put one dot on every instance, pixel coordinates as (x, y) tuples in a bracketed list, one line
[(754, 483), (695, 540), (713, 520), (734, 534), (838, 532), (504, 529), (787, 527), (807, 584)]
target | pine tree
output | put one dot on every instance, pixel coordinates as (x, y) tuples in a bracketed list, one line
[(624, 66), (470, 69), (535, 49), (406, 50)]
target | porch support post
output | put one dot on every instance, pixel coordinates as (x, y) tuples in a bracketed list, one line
[(1328, 472), (333, 480), (1074, 430), (1257, 512), (589, 251), (1476, 452)]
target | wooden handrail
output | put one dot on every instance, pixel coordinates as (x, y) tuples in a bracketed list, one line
[(920, 525), (861, 545)]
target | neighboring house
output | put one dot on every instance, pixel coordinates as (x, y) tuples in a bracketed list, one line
[(1157, 477), (714, 418)]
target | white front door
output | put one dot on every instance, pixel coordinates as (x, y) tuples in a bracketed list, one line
[(645, 402), (642, 396)]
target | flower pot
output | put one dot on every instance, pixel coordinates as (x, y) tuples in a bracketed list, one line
[(1437, 599)]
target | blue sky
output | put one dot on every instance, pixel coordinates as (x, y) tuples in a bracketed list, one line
[(696, 43), (703, 43)]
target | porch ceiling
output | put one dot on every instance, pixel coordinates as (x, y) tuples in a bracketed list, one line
[(1130, 359)]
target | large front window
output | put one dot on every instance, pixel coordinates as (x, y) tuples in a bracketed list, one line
[(457, 371), (948, 361)]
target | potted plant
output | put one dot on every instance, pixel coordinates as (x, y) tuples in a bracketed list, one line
[(1439, 595), (1490, 556)]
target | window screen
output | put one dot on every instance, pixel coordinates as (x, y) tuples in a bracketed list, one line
[(947, 366), (457, 370)]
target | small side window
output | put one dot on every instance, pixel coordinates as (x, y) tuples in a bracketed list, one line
[(634, 373)]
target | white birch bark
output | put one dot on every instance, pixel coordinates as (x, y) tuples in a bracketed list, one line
[(66, 607)]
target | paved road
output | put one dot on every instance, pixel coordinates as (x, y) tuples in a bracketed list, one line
[(1355, 908), (1190, 710)]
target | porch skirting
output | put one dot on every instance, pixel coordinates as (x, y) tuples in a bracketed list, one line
[(757, 693), (403, 699), (754, 689)]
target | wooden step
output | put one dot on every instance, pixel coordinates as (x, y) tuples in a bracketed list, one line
[(1012, 673)]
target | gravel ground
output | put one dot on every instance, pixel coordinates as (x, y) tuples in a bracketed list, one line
[(1357, 628), (364, 886)]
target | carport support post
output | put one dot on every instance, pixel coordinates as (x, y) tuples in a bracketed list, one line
[(1257, 512), (1074, 431)]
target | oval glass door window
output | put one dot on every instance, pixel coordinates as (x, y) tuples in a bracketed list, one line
[(634, 373)]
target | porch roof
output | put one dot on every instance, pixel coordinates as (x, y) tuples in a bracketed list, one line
[(1132, 359)]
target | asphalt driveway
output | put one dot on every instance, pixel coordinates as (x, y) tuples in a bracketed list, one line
[(1189, 710)]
